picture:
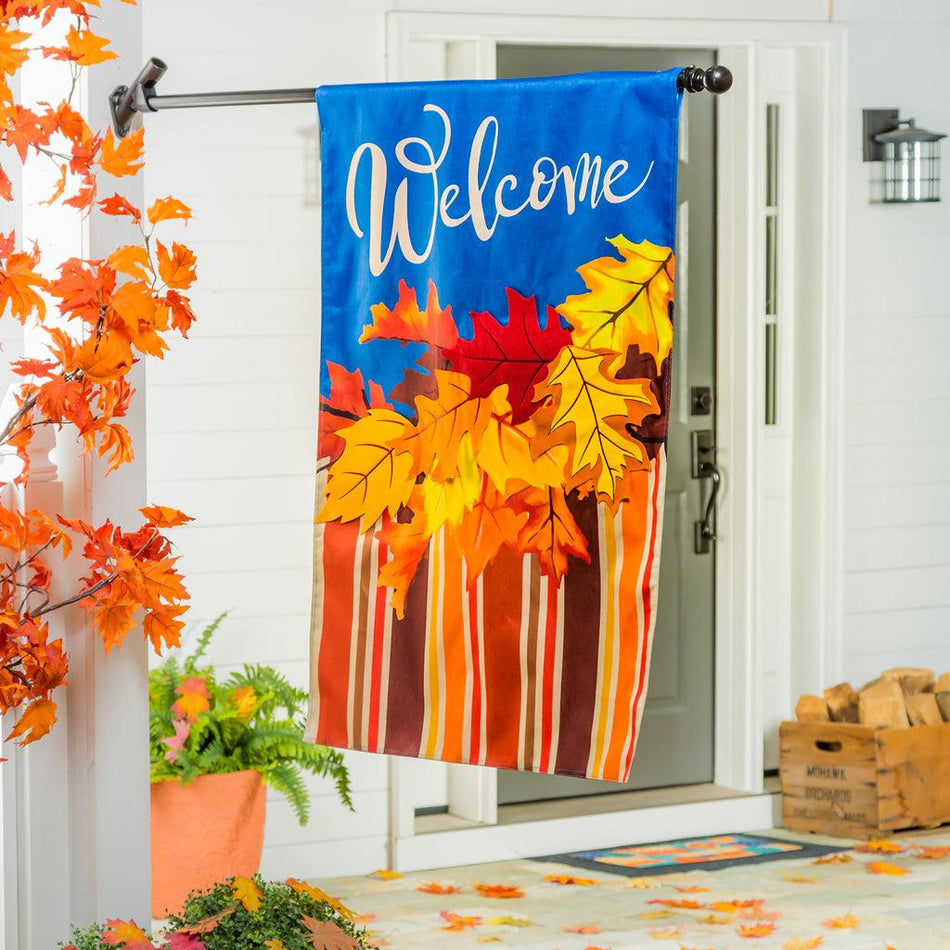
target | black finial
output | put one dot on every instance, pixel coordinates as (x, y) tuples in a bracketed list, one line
[(716, 79)]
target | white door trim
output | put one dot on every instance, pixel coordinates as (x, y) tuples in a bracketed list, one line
[(452, 46)]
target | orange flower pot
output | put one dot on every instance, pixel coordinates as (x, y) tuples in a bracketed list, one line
[(205, 831)]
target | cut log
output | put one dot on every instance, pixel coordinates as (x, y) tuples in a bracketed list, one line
[(842, 703), (912, 679), (811, 709), (922, 709), (883, 705)]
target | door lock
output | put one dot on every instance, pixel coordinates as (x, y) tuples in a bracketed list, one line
[(702, 466)]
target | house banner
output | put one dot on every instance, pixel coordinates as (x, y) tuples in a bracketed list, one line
[(497, 284)]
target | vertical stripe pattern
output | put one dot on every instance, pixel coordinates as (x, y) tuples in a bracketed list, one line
[(511, 669)]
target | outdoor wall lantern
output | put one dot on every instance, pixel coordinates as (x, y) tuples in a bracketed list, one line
[(907, 158)]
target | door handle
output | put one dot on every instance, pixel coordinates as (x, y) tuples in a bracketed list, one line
[(703, 466)]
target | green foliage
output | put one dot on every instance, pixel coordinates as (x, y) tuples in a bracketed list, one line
[(253, 719), (85, 938), (278, 918)]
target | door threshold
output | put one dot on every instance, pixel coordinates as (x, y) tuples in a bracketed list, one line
[(596, 821)]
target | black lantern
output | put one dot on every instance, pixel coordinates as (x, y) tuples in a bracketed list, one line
[(907, 156)]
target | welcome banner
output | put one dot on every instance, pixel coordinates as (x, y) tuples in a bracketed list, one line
[(495, 365)]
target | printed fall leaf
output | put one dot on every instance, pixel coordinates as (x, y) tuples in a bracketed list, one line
[(326, 935), (446, 501), (627, 301), (514, 355), (499, 891), (407, 323), (837, 858), (682, 904), (372, 475), (590, 410), (717, 919), (311, 890), (210, 923), (692, 889), (484, 529), (550, 531)]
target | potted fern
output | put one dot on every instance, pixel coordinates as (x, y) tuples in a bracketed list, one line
[(216, 742)]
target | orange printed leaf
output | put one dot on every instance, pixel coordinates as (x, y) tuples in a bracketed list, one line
[(123, 156), (406, 322), (406, 543), (550, 530)]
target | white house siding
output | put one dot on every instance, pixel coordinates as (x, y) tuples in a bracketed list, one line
[(231, 412)]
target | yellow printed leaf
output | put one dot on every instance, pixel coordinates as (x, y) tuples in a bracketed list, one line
[(627, 301), (446, 502), (590, 410), (371, 475)]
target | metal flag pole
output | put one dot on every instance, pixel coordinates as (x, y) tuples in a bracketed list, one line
[(125, 101)]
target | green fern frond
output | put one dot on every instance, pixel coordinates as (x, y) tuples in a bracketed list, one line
[(204, 639), (287, 780)]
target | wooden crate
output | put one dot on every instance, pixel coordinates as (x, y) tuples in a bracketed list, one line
[(855, 781)]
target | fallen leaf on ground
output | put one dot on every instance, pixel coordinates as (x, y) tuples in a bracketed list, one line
[(683, 904), (757, 913), (691, 889), (880, 846), (580, 929), (458, 922), (716, 919), (838, 858), (883, 867), (386, 875), (844, 922), (799, 878), (488, 939), (756, 930), (656, 915), (643, 883), (931, 852), (666, 933), (508, 921), (567, 879), (433, 887), (243, 889), (800, 943), (499, 891)]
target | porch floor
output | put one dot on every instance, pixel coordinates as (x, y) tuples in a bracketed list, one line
[(799, 898)]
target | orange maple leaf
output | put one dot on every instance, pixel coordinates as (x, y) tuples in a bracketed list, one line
[(118, 206), (34, 722), (931, 852), (756, 930), (167, 209), (883, 867), (194, 696), (570, 879), (177, 269), (326, 935), (500, 891), (19, 283), (406, 322), (406, 543), (122, 157), (82, 47), (12, 57), (163, 517), (458, 922), (550, 530), (311, 890), (433, 887), (127, 934), (207, 924), (880, 846), (682, 904), (800, 943)]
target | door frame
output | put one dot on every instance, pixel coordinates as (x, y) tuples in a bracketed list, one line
[(461, 45)]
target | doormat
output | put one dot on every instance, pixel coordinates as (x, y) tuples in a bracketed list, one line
[(704, 854)]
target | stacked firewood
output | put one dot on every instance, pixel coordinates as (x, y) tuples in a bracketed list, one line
[(901, 697)]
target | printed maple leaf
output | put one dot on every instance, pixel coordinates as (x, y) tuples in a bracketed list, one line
[(442, 423), (514, 355), (373, 474), (346, 403), (406, 542), (550, 532), (491, 523), (590, 411), (627, 301), (326, 935), (407, 323)]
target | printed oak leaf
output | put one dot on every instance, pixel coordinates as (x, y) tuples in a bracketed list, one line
[(589, 411), (326, 935), (550, 530), (443, 422), (514, 355), (500, 891), (407, 323), (406, 542), (445, 501), (627, 301), (374, 472), (346, 403), (491, 523), (243, 889)]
